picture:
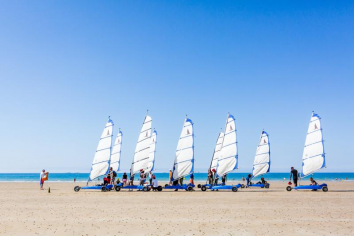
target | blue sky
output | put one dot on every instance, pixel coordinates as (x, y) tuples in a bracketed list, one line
[(65, 66)]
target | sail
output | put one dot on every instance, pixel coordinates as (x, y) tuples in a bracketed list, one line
[(101, 162), (262, 162), (151, 157), (314, 154), (214, 160), (116, 153), (227, 161), (184, 161), (142, 150)]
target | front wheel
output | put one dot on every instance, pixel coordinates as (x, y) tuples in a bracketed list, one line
[(199, 186), (145, 189), (203, 188), (325, 189), (267, 185), (117, 188), (190, 188), (103, 189), (243, 186), (76, 188), (159, 188), (289, 188), (234, 189)]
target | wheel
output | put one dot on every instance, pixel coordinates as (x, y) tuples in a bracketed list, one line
[(243, 186), (117, 188), (325, 189), (199, 186), (76, 188), (145, 189), (166, 185), (159, 188), (289, 188), (190, 188), (203, 188), (234, 189), (267, 185), (103, 189)]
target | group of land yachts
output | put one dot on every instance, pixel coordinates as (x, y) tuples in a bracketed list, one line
[(225, 160)]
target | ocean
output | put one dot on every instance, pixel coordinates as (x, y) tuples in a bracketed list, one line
[(83, 177)]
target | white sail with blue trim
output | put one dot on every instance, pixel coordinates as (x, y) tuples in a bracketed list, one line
[(228, 159), (142, 150), (214, 160), (152, 154), (262, 162), (184, 161), (314, 154), (101, 162), (116, 152)]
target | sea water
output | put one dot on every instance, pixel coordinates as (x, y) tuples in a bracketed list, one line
[(83, 177)]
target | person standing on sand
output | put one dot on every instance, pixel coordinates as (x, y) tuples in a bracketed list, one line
[(124, 179), (170, 177), (294, 172), (210, 177), (42, 175), (150, 177)]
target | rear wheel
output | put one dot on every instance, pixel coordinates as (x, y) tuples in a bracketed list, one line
[(267, 185), (190, 188), (199, 185), (117, 188), (166, 185), (234, 189), (243, 186), (289, 188), (103, 189), (203, 188), (325, 189), (76, 188), (145, 189), (159, 188)]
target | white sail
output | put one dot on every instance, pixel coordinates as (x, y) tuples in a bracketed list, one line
[(142, 150), (116, 153), (184, 161), (151, 157), (314, 154), (214, 160), (228, 158), (101, 162), (262, 162)]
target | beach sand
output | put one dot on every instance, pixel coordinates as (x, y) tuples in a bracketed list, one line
[(25, 210)]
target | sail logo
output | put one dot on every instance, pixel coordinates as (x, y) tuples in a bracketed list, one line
[(264, 141), (146, 133), (230, 128), (118, 141), (108, 133), (315, 126), (188, 131)]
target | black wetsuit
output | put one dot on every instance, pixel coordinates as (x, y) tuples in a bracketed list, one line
[(295, 176)]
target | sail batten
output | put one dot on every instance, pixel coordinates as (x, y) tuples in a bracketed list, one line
[(101, 161), (214, 160), (142, 149), (184, 161), (314, 154), (228, 158), (262, 161)]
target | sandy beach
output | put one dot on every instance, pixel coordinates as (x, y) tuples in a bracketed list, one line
[(25, 210)]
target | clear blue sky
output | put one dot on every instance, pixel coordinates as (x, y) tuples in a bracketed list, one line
[(66, 65)]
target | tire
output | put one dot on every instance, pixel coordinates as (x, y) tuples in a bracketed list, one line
[(103, 189), (243, 186), (117, 188), (267, 185), (145, 189), (234, 189), (203, 188), (325, 189), (166, 185), (76, 189), (190, 188), (159, 188), (199, 185), (289, 188)]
